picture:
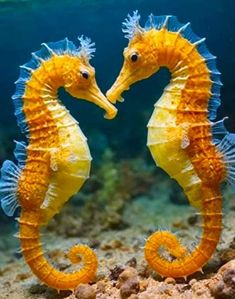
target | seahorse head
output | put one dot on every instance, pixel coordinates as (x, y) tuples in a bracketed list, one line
[(80, 81), (140, 57)]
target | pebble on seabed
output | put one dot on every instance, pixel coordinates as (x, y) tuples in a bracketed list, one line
[(85, 291)]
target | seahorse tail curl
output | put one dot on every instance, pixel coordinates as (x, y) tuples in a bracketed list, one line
[(32, 251), (185, 262)]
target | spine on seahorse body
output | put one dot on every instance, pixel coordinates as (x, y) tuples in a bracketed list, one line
[(32, 251)]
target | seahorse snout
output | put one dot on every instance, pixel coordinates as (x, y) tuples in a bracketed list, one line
[(100, 100), (114, 94)]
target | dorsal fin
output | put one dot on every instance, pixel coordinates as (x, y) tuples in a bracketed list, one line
[(218, 130), (227, 148), (20, 153), (172, 24), (10, 174)]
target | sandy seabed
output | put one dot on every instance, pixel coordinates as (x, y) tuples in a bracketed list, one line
[(123, 272)]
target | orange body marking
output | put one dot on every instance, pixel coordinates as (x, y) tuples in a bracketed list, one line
[(182, 138), (56, 162)]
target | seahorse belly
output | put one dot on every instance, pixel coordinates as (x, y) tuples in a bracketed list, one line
[(166, 142), (70, 164)]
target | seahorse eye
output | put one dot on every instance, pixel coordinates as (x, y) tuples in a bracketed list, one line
[(134, 57), (85, 74)]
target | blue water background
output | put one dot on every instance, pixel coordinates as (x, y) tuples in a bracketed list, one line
[(24, 25)]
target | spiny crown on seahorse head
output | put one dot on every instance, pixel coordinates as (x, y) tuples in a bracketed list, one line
[(56, 162), (183, 140)]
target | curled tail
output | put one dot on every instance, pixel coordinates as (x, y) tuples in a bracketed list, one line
[(204, 194), (32, 251), (185, 262)]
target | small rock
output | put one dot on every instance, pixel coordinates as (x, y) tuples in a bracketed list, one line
[(170, 280), (100, 286), (131, 286), (232, 244), (192, 282), (143, 285), (127, 274), (132, 262), (94, 243), (37, 289), (114, 244), (22, 276), (178, 223), (85, 291), (193, 219), (144, 270), (115, 272), (227, 255), (223, 286)]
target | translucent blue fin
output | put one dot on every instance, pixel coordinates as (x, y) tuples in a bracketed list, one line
[(20, 153), (172, 24), (219, 130), (17, 98), (57, 48), (227, 148), (10, 174)]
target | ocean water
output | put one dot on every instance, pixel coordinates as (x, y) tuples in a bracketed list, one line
[(24, 25)]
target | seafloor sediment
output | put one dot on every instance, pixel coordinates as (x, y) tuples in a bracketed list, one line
[(121, 205)]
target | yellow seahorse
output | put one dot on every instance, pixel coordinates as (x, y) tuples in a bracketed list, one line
[(182, 138), (56, 162)]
